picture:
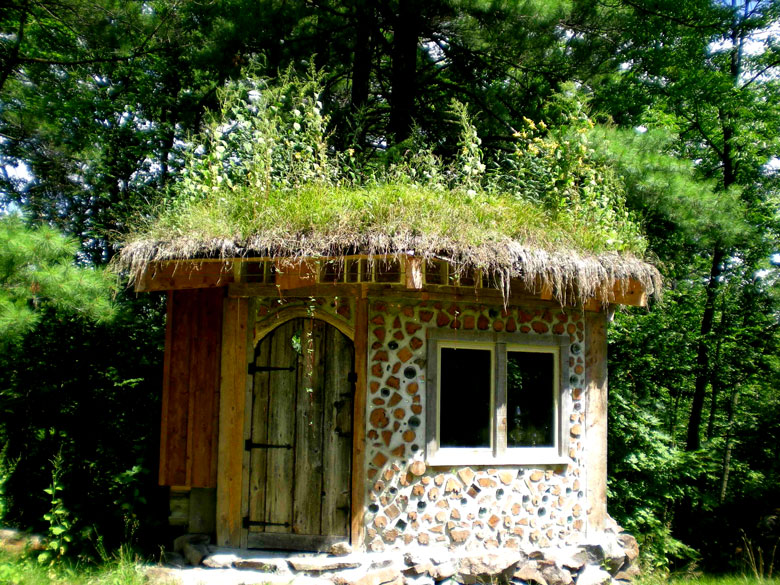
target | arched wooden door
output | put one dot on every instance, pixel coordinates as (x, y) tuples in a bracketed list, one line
[(301, 437)]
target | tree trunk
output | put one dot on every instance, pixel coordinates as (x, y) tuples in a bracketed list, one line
[(11, 58), (724, 483), (716, 380), (361, 63), (404, 70), (693, 442)]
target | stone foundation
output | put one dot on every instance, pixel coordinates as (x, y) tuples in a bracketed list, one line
[(610, 559)]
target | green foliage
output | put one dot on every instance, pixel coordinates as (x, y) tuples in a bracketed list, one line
[(87, 396), (263, 167), (558, 167), (37, 268), (61, 525), (6, 469), (124, 568), (100, 101), (678, 208), (647, 475), (705, 580)]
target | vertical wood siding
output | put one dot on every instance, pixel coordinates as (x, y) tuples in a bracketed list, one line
[(188, 444)]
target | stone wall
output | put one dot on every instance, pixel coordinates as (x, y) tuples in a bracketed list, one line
[(474, 507)]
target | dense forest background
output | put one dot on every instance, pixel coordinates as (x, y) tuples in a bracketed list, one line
[(98, 99)]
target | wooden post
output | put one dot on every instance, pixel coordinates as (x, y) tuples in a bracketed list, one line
[(359, 422), (596, 418), (163, 471), (230, 450)]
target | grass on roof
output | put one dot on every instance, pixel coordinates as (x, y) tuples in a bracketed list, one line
[(344, 214), (262, 180)]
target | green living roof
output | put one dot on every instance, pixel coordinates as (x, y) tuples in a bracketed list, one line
[(503, 236)]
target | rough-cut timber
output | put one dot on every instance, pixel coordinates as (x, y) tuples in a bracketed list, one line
[(596, 418), (188, 455), (233, 381)]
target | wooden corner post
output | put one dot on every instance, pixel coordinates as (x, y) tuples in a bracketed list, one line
[(232, 388), (359, 423), (596, 418)]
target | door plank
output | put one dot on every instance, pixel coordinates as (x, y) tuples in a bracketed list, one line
[(281, 430), (311, 408), (337, 446), (308, 435), (258, 457)]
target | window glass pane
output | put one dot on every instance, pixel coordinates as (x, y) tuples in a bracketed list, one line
[(464, 411), (529, 394)]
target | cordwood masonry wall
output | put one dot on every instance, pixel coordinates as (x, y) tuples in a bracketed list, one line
[(474, 507)]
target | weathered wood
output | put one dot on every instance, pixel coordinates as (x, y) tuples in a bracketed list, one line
[(162, 474), (177, 390), (264, 327), (413, 271), (596, 419), (259, 433), (204, 387), (308, 486), (202, 510), (231, 421), (250, 357), (359, 422), (186, 274), (337, 439), (291, 273), (307, 542), (309, 409), (281, 430)]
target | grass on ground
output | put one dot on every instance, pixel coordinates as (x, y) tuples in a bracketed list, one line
[(706, 580), (124, 570)]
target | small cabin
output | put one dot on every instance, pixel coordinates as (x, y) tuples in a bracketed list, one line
[(388, 400)]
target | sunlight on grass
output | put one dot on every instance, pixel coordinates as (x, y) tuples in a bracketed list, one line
[(25, 571), (707, 580)]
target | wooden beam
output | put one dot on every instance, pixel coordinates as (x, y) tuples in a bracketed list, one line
[(413, 270), (292, 274), (629, 292), (184, 274), (595, 441), (265, 326), (359, 423), (300, 278), (230, 451)]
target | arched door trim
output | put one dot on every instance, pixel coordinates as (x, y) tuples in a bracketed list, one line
[(264, 327)]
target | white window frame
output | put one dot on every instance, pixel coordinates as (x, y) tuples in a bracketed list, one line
[(498, 453)]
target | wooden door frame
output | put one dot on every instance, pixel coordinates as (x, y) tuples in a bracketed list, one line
[(239, 338)]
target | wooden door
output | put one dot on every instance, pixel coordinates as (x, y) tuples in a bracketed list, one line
[(301, 441)]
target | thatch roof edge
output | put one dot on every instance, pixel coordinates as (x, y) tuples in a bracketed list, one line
[(572, 276)]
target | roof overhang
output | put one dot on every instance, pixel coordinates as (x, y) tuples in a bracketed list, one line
[(401, 276)]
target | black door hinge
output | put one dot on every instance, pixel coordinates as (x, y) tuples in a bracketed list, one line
[(249, 445), (253, 369)]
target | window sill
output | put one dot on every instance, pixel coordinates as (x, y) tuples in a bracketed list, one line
[(483, 457)]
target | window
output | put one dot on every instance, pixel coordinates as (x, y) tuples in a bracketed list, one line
[(495, 398)]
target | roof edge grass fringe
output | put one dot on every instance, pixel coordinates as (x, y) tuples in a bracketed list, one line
[(572, 276)]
